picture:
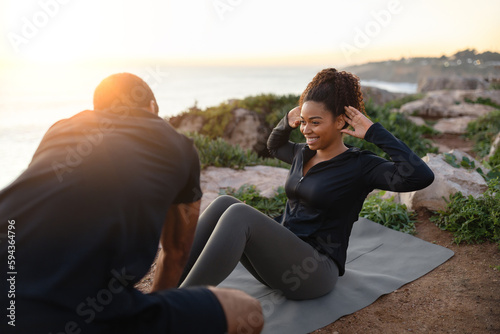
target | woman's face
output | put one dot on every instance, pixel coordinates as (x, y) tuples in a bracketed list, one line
[(319, 127)]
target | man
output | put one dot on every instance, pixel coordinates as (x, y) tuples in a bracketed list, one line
[(102, 190)]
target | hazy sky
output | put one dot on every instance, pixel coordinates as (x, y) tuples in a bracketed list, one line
[(245, 31)]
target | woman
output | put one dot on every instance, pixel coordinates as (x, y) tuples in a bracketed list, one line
[(327, 184)]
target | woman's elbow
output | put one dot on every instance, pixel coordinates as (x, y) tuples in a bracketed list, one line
[(426, 178), (272, 152)]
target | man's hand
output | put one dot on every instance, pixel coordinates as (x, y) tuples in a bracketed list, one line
[(243, 312), (294, 117), (176, 241), (358, 121)]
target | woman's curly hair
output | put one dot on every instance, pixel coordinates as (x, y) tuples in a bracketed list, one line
[(336, 90)]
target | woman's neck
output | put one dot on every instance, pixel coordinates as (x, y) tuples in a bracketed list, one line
[(331, 152)]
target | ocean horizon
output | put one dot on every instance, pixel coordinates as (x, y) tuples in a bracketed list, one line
[(32, 99)]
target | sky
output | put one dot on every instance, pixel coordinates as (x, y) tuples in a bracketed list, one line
[(243, 32)]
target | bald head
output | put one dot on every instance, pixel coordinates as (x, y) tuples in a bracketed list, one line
[(124, 89)]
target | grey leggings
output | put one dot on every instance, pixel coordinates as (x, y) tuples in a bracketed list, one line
[(230, 231)]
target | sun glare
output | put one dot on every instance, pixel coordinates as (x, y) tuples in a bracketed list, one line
[(231, 32)]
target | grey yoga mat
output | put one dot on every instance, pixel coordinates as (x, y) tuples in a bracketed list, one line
[(379, 261)]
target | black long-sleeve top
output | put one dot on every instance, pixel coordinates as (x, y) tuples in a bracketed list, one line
[(324, 203)]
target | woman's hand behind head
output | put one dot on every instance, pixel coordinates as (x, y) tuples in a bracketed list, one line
[(294, 117), (358, 121)]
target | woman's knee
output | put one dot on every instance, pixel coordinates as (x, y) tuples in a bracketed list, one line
[(239, 211), (220, 205), (225, 201)]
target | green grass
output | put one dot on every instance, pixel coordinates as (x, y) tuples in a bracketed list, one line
[(389, 213), (273, 107), (401, 127), (249, 194), (472, 220), (397, 103), (492, 164), (483, 130), (219, 153)]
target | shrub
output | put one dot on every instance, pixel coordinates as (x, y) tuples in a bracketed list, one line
[(492, 165), (483, 130), (401, 127), (274, 107), (249, 194), (389, 213), (219, 153), (397, 103), (481, 100), (271, 105), (472, 220)]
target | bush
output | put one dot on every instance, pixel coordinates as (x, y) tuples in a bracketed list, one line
[(271, 105), (397, 103), (482, 100), (219, 153), (389, 213), (274, 107), (401, 127), (249, 194), (483, 130), (492, 164), (472, 220)]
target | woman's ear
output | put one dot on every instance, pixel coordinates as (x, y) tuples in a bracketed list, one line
[(340, 122)]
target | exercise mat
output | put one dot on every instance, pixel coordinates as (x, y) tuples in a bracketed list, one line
[(379, 261)]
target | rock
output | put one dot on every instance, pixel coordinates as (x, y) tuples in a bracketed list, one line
[(188, 123), (266, 178), (417, 120), (448, 180), (493, 95), (451, 83), (379, 96), (470, 109), (247, 130), (455, 125), (440, 104)]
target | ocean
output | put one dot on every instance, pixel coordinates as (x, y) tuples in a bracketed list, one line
[(34, 98)]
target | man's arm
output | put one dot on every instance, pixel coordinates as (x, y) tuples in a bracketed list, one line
[(243, 312), (176, 240)]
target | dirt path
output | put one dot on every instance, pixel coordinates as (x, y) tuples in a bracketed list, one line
[(460, 296), (446, 142)]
